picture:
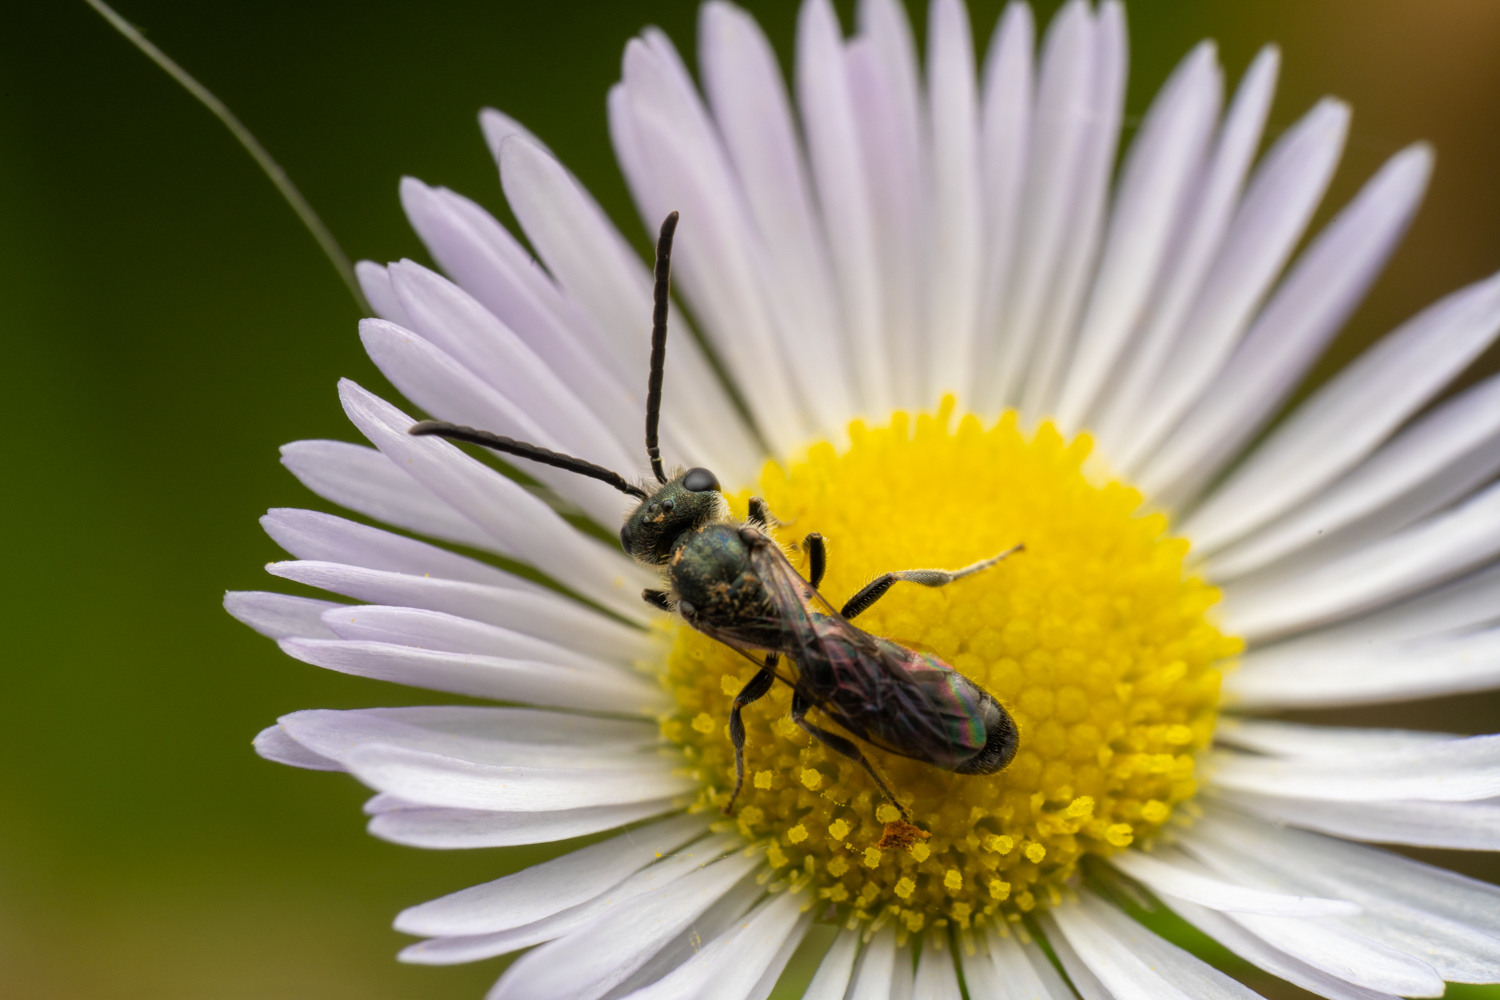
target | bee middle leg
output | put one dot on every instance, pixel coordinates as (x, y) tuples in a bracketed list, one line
[(876, 588), (754, 690), (839, 744)]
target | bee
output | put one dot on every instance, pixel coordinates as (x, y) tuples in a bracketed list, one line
[(729, 580)]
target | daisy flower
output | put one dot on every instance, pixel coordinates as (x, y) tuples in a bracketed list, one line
[(930, 320)]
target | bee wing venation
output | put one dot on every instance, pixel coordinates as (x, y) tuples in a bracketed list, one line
[(908, 703)]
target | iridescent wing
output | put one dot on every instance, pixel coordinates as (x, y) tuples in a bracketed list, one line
[(908, 703)]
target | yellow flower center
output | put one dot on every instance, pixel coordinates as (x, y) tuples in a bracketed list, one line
[(1093, 639)]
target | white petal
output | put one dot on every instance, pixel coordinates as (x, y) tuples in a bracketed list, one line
[(536, 612), (1352, 414), (1428, 553), (713, 923), (1437, 916), (1089, 199), (520, 523), (1080, 975), (1275, 961), (884, 95), (451, 319), (872, 978), (1059, 134), (1155, 189), (1165, 959), (599, 271), (492, 677), (310, 534), (1131, 962), (902, 974), (273, 743), (1005, 137), (365, 481), (1165, 874), (1194, 248), (1457, 770), (955, 265), (437, 780), (1347, 954), (1440, 458), (498, 126), (835, 970), (1269, 221), (730, 966), (1321, 290), (1015, 977), (1463, 826), (1293, 739), (462, 829), (720, 266), (487, 262), (936, 977), (376, 284), (845, 195), (484, 735), (651, 880), (550, 887), (591, 961), (280, 615), (744, 87), (450, 634), (447, 390)]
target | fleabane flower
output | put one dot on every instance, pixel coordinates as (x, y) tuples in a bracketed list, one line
[(933, 321)]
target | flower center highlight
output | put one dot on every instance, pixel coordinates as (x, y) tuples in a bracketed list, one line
[(1093, 639)]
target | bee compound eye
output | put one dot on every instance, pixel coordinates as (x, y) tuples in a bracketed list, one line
[(700, 481), (625, 538)]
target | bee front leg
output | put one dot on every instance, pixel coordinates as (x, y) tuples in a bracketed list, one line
[(761, 516), (754, 690), (838, 744), (657, 599)]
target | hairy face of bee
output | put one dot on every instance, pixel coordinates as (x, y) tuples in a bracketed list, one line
[(688, 501)]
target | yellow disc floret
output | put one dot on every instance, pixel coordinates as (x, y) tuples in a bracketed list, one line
[(1094, 639)]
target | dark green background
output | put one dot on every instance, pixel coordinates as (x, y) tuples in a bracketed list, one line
[(166, 324)]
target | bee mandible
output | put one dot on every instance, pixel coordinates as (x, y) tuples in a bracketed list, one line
[(729, 580)]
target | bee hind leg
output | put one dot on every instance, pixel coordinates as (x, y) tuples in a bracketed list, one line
[(754, 690), (839, 744)]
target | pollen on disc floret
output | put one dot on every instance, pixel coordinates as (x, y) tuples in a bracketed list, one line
[(1094, 639)]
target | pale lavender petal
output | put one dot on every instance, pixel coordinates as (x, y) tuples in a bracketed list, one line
[(1321, 290), (366, 482), (280, 615), (376, 284), (462, 829), (274, 744)]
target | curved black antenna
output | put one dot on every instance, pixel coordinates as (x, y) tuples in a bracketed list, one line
[(510, 446), (660, 299)]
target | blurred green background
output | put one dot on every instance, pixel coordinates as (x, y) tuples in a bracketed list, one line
[(167, 324)]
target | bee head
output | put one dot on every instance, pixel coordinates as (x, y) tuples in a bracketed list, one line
[(685, 502)]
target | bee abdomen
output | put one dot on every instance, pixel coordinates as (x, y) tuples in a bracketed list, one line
[(1001, 741)]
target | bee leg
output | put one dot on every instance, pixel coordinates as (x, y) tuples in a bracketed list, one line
[(657, 599), (753, 690), (838, 744), (761, 516), (817, 559), (876, 588)]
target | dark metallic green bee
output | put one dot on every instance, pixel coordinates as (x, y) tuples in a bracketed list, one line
[(730, 581)]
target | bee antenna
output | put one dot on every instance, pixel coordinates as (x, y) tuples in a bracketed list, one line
[(510, 446), (660, 298)]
